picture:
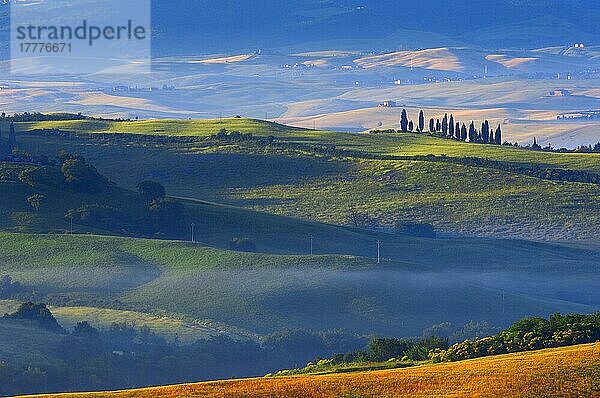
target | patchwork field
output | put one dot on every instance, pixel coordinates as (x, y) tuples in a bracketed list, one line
[(563, 372)]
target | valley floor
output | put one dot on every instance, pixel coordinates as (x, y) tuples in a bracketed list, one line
[(563, 372)]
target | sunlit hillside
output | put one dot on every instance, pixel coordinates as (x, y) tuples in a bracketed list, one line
[(562, 372)]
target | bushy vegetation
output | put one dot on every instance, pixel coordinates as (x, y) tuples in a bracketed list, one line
[(555, 372), (527, 335), (126, 356), (38, 314), (11, 289), (40, 117)]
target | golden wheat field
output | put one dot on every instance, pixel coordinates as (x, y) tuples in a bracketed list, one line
[(562, 372)]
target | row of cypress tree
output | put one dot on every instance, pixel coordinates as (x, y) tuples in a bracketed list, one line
[(448, 128)]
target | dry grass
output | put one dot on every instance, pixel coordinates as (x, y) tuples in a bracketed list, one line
[(435, 58), (563, 372)]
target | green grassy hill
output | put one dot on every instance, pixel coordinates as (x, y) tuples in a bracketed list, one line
[(282, 194), (378, 174), (262, 293), (419, 283)]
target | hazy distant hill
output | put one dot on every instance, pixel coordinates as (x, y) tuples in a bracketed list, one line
[(192, 27), (369, 24)]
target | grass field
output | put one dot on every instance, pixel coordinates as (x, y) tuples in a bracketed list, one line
[(102, 318), (420, 283), (456, 199), (563, 372), (454, 279)]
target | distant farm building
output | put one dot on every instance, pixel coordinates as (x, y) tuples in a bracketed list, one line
[(560, 93), (591, 114), (388, 104)]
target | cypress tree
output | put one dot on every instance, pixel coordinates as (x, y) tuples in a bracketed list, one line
[(463, 132), (457, 131), (12, 138), (404, 121), (498, 137), (411, 126), (445, 124), (451, 126), (484, 133), (472, 133), (431, 125), (421, 121), (438, 126)]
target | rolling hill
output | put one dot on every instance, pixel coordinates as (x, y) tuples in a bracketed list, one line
[(387, 175), (311, 180), (571, 371), (264, 293)]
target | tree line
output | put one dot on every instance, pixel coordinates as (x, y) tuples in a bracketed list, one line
[(123, 356), (526, 335), (448, 127)]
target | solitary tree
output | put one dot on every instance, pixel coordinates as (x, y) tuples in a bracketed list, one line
[(36, 201), (404, 121), (421, 121)]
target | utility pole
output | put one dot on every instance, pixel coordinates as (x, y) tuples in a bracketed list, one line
[(311, 245), (378, 252), (193, 225)]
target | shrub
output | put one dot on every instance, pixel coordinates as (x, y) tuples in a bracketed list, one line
[(36, 176), (82, 177), (99, 216), (415, 229), (242, 245), (39, 314), (151, 191), (166, 215)]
